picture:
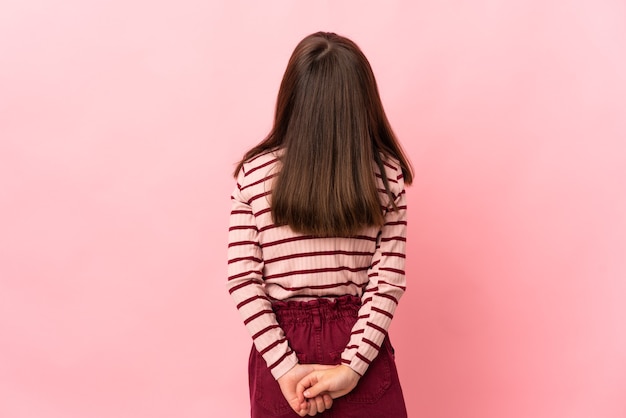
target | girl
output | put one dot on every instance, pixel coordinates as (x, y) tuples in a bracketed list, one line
[(317, 242)]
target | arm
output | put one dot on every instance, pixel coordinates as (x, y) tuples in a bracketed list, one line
[(386, 285), (245, 284), (380, 298)]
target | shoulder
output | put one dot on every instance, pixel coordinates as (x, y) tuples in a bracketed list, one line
[(393, 172), (259, 164), (256, 170), (392, 167)]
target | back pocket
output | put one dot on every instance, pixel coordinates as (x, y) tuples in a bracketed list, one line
[(377, 379), (265, 391)]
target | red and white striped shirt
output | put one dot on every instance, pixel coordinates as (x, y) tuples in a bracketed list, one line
[(268, 262)]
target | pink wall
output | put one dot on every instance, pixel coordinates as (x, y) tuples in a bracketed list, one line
[(120, 122)]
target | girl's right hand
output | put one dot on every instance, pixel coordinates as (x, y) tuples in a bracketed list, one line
[(335, 381), (299, 404)]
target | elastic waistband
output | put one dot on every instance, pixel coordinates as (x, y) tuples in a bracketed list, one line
[(324, 308)]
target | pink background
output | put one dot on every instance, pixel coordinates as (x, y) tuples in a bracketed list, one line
[(120, 122)]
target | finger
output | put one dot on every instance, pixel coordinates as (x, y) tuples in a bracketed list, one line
[(304, 408), (319, 402), (300, 393), (300, 408), (316, 389), (305, 383), (328, 400), (312, 407)]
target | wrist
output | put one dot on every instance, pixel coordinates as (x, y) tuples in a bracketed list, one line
[(353, 373), (285, 366), (287, 372)]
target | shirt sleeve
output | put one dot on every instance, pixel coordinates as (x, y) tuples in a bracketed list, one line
[(386, 285), (245, 285)]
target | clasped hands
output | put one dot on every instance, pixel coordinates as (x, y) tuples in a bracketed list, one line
[(310, 388)]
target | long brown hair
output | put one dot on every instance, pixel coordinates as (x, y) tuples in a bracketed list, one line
[(332, 128)]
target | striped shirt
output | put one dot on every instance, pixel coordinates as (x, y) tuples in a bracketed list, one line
[(268, 262)]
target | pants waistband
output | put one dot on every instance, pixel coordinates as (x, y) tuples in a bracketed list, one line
[(313, 310)]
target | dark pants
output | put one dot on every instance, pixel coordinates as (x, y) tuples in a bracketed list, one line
[(318, 331)]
